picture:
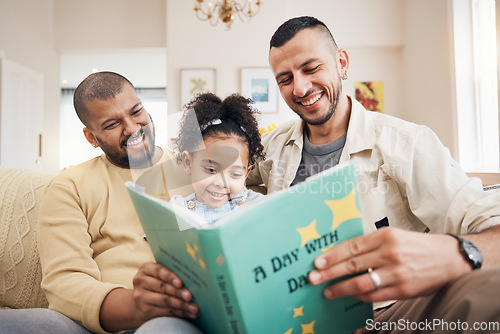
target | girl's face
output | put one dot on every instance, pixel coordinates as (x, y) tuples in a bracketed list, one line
[(218, 169)]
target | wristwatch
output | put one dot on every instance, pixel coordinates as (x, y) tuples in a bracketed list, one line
[(469, 252)]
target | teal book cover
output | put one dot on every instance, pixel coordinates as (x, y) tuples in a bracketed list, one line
[(248, 272)]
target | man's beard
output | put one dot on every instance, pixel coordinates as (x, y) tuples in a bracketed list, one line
[(330, 111), (120, 157)]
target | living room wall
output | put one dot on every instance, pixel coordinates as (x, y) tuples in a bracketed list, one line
[(27, 38), (428, 69), (110, 24)]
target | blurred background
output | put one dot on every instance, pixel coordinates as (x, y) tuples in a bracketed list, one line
[(434, 63)]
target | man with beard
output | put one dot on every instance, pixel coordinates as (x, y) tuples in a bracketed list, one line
[(99, 273), (408, 185)]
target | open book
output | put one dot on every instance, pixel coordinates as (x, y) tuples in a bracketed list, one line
[(248, 272)]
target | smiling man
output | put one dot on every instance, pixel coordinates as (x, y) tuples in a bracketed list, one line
[(409, 185), (99, 274), (122, 128), (315, 100)]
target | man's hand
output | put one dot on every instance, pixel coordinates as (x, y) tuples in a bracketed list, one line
[(409, 264), (157, 292)]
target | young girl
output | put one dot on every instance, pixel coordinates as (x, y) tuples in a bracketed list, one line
[(218, 144)]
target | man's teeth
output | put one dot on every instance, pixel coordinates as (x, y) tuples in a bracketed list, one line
[(311, 101), (135, 141)]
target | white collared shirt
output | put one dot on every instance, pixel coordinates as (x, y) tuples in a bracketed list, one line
[(405, 174)]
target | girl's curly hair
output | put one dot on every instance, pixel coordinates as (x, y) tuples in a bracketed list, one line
[(206, 115)]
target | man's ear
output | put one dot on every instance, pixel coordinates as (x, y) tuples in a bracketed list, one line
[(187, 162), (343, 60), (91, 138)]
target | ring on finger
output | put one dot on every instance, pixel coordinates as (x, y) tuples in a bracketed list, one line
[(375, 278)]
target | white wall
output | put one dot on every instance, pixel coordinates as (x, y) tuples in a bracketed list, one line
[(428, 68), (144, 67), (26, 37), (98, 24)]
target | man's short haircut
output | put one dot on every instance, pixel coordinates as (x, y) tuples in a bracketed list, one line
[(291, 27), (100, 86)]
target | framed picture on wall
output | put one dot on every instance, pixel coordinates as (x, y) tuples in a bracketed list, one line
[(195, 81), (370, 94), (259, 85)]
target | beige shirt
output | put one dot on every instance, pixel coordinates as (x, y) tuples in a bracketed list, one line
[(90, 238), (404, 174)]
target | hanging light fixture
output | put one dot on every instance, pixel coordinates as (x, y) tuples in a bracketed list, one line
[(225, 10)]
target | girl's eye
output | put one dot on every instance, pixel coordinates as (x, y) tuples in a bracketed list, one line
[(136, 112), (210, 170), (236, 175)]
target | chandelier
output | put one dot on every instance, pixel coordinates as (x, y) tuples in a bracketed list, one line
[(225, 10)]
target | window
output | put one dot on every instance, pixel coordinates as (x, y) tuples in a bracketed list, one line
[(474, 27)]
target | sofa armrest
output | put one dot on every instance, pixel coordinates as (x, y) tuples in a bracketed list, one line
[(21, 191)]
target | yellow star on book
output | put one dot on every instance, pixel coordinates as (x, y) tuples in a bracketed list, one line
[(308, 233), (288, 331), (202, 263), (297, 312), (344, 209), (308, 328), (190, 250)]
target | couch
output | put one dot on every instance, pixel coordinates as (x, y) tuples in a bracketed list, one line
[(21, 191)]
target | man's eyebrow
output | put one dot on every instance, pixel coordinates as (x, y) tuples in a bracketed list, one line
[(113, 118), (136, 105), (307, 62), (107, 121), (281, 74)]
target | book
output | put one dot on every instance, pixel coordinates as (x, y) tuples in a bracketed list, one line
[(248, 271)]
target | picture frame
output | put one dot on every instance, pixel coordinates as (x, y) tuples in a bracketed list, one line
[(260, 85), (195, 81)]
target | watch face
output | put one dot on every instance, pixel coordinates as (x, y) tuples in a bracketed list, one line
[(474, 255)]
